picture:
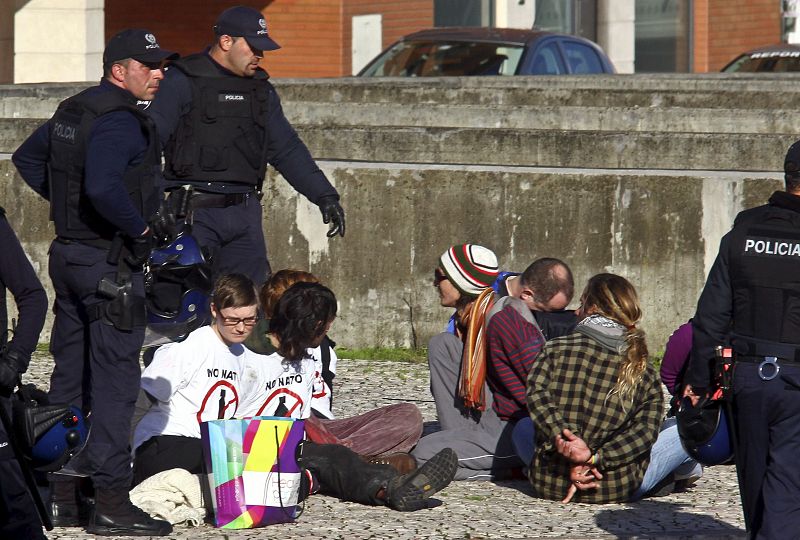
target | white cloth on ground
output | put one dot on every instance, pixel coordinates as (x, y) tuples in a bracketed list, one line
[(174, 495)]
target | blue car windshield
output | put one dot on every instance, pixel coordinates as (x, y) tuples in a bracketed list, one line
[(454, 58)]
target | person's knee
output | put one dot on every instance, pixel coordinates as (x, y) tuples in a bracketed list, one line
[(430, 445), (444, 347)]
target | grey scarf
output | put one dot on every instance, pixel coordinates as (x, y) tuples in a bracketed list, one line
[(608, 333)]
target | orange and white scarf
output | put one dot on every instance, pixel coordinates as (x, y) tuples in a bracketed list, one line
[(473, 360)]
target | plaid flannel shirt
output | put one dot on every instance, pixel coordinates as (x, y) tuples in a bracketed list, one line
[(569, 387)]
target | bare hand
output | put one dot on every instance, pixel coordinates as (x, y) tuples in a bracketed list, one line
[(688, 392), (582, 477), (572, 447)]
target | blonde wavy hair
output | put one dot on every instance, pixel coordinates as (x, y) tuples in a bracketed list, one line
[(614, 297)]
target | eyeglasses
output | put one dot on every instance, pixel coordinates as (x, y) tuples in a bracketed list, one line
[(438, 277), (235, 321)]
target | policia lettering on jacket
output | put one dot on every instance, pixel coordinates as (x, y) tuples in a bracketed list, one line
[(770, 246)]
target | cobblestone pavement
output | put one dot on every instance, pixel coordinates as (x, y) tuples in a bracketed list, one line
[(477, 510)]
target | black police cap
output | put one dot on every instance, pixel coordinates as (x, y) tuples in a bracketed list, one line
[(246, 22), (791, 165), (138, 44)]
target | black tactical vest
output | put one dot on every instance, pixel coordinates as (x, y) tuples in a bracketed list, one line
[(764, 259), (222, 138), (70, 209)]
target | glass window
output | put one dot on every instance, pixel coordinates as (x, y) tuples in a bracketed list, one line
[(662, 36), (463, 13), (773, 61), (453, 58), (547, 61), (581, 58), (554, 16)]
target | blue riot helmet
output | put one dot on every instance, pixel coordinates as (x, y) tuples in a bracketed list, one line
[(705, 431), (49, 434), (61, 441), (178, 284)]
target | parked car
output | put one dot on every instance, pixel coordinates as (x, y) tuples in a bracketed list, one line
[(487, 51), (773, 58)]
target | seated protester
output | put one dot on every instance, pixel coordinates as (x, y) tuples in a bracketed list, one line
[(479, 397), (195, 380), (382, 435), (676, 357), (597, 404), (281, 384)]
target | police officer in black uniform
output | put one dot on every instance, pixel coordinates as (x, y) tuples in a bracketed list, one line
[(751, 301), (18, 517), (97, 162), (221, 122)]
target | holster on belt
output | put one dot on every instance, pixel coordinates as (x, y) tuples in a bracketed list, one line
[(122, 309)]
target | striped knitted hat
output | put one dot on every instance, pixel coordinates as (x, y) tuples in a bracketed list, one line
[(470, 268)]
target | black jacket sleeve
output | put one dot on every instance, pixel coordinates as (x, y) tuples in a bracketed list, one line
[(712, 321), (18, 276), (290, 156)]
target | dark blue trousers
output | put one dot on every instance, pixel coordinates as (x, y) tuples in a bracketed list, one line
[(768, 423), (18, 517), (235, 239), (96, 365)]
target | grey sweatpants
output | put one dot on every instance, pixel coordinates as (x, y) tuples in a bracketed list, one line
[(482, 441)]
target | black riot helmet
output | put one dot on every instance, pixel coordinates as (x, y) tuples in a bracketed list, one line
[(705, 431)]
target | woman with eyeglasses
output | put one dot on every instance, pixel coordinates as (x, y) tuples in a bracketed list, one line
[(195, 380)]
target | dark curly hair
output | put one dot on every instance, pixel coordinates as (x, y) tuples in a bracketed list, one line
[(301, 318)]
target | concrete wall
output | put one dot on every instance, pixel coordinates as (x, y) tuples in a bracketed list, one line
[(649, 202)]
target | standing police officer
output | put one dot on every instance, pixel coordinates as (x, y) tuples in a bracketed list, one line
[(752, 301), (220, 122), (96, 161), (18, 518)]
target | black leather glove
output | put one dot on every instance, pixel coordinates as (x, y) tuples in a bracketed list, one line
[(163, 225), (333, 213), (11, 365), (139, 249)]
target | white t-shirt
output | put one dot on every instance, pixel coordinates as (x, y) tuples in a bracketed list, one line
[(274, 387), (321, 397), (193, 381)]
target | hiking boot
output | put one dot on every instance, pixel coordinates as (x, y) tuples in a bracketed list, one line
[(410, 492), (115, 515), (402, 462)]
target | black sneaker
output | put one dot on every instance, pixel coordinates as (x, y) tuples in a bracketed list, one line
[(115, 515), (411, 491)]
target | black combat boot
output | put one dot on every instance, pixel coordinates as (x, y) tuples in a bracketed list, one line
[(411, 491), (65, 505), (115, 515)]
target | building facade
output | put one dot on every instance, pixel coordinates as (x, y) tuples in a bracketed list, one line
[(62, 40)]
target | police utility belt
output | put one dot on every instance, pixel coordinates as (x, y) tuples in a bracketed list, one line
[(187, 198), (769, 358)]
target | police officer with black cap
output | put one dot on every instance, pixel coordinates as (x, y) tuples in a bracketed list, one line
[(221, 122), (751, 301), (96, 160), (18, 517)]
